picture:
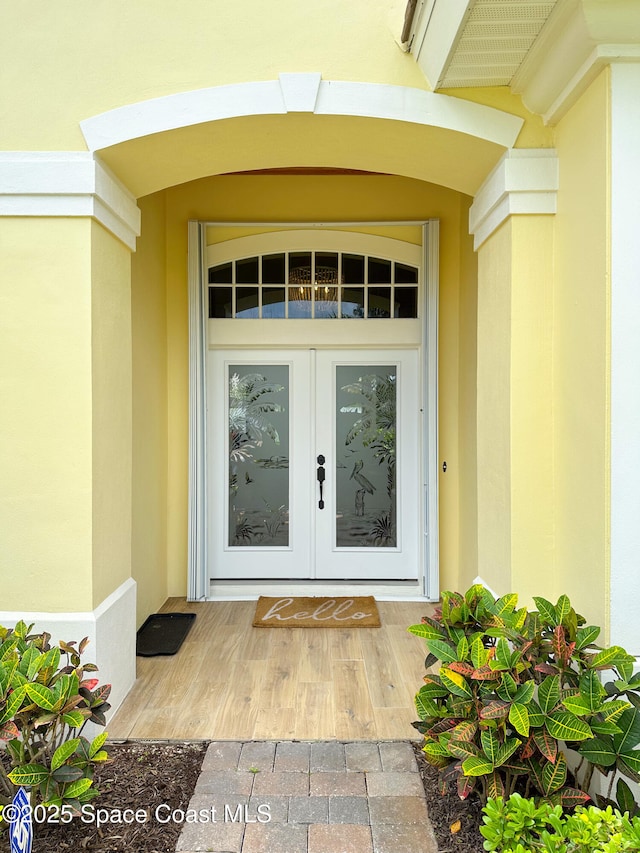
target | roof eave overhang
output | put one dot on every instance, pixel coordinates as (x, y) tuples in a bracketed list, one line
[(579, 38), (434, 33)]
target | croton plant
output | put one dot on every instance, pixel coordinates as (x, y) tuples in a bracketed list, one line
[(46, 700), (509, 692)]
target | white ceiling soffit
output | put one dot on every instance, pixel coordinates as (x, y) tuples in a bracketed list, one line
[(466, 43)]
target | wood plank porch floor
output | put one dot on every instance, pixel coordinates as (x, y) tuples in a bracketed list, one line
[(232, 681)]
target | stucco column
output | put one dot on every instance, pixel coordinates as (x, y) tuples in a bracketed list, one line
[(65, 363), (46, 412), (513, 227)]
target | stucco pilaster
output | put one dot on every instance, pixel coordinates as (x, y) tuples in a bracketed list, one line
[(514, 408)]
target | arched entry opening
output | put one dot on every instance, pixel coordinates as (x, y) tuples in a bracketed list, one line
[(331, 166)]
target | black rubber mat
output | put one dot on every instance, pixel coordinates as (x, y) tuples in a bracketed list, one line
[(163, 633)]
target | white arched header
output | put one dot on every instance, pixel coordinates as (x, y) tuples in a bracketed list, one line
[(306, 93)]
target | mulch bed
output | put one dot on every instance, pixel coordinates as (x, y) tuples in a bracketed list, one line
[(142, 775), (455, 822)]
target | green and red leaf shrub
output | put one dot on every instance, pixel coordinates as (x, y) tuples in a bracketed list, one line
[(509, 690), (46, 700)]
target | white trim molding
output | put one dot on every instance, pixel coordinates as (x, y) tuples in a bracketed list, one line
[(482, 582), (579, 39), (319, 238), (437, 27), (524, 181), (599, 58), (300, 92), (111, 629), (197, 561), (625, 358), (431, 459), (67, 183)]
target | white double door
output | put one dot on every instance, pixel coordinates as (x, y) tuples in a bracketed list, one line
[(285, 425)]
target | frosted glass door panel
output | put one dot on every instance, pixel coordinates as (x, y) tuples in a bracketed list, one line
[(275, 412), (259, 478), (258, 444), (365, 463), (368, 422)]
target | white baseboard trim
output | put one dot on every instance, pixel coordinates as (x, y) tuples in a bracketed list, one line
[(111, 629), (479, 580)]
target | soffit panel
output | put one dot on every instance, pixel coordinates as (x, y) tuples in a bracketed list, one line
[(494, 41)]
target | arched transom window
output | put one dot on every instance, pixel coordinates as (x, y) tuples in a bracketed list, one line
[(312, 284)]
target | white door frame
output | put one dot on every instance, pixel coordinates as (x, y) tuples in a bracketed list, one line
[(198, 583)]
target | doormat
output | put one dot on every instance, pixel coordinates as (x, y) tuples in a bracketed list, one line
[(163, 633), (317, 612)]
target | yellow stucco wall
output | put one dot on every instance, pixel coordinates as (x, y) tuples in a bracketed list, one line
[(66, 414), (515, 416), (493, 409), (426, 152), (159, 48), (149, 437), (467, 402), (111, 411), (45, 416), (533, 566), (581, 389), (291, 198)]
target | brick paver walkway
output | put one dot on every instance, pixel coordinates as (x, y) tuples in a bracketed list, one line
[(308, 797)]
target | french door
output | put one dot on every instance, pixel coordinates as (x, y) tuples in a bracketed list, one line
[(314, 464)]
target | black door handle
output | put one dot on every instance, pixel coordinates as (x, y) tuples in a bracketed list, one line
[(320, 476)]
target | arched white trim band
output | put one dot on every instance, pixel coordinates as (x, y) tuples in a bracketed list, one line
[(524, 181), (302, 92), (313, 239), (67, 183)]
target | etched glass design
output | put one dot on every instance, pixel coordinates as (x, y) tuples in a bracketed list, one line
[(365, 473), (258, 455)]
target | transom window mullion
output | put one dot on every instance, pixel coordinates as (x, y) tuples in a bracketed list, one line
[(286, 285), (313, 284), (366, 287)]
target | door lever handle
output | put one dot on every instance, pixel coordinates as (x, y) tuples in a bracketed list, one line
[(320, 476)]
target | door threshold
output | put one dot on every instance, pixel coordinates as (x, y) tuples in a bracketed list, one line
[(234, 590)]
